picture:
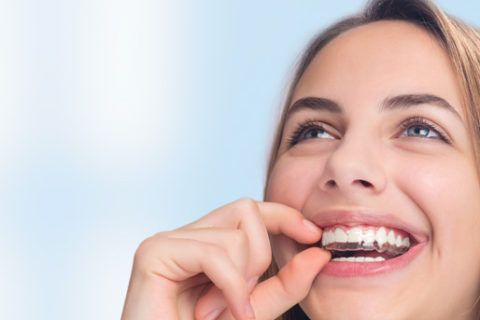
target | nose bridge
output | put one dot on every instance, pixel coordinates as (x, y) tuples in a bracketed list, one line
[(356, 164)]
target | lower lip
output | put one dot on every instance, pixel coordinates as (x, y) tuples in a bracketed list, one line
[(365, 269)]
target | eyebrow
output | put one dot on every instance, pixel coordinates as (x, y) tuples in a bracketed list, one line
[(411, 100), (392, 103), (314, 103)]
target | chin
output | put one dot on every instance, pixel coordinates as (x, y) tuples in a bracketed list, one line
[(358, 305)]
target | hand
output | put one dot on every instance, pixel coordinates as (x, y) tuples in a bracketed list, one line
[(209, 268)]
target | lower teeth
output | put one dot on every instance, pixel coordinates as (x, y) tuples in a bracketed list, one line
[(359, 259)]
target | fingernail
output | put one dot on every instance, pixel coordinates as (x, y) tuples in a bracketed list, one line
[(212, 315), (252, 282), (249, 311), (310, 226)]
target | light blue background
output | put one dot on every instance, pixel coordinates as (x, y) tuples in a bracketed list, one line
[(122, 118)]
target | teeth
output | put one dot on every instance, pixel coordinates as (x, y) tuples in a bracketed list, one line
[(340, 235), (355, 234), (398, 242), (381, 236), (369, 238), (359, 259), (365, 238), (339, 259), (391, 238), (327, 237)]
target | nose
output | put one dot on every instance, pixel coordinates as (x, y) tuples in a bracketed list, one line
[(356, 165)]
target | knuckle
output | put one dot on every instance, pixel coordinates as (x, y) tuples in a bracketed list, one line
[(246, 207), (144, 248), (246, 204), (147, 248), (143, 253)]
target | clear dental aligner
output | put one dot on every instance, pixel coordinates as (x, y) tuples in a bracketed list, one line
[(382, 240)]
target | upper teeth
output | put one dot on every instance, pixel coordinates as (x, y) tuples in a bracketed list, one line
[(366, 236)]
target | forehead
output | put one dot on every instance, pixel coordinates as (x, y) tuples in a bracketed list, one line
[(377, 60)]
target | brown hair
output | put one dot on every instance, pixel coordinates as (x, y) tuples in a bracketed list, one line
[(460, 41)]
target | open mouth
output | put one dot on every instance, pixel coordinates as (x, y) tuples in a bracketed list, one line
[(365, 243)]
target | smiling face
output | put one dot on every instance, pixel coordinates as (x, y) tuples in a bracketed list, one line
[(376, 140)]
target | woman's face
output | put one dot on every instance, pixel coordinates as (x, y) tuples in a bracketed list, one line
[(376, 150)]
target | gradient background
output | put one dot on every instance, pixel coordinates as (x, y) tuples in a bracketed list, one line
[(122, 118)]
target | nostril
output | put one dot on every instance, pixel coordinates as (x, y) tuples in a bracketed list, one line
[(331, 183), (365, 183)]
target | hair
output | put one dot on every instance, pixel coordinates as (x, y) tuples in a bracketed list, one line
[(459, 40)]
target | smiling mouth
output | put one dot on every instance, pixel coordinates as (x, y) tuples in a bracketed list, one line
[(365, 243)]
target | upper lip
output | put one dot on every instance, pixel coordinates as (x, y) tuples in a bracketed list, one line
[(349, 217)]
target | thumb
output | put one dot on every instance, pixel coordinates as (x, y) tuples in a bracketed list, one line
[(274, 296)]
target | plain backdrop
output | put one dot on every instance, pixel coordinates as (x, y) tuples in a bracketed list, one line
[(122, 118)]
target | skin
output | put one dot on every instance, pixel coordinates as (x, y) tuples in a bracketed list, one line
[(365, 160), (209, 268), (376, 164)]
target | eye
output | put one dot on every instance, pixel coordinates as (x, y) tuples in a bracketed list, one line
[(422, 128), (421, 131), (317, 133), (310, 130)]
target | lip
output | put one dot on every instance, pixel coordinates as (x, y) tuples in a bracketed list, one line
[(368, 217)]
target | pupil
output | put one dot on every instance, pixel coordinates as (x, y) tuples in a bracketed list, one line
[(314, 133), (419, 131)]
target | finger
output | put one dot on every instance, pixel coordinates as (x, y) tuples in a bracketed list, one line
[(181, 259), (291, 285), (261, 218), (256, 219), (233, 241), (251, 223), (213, 302), (244, 215), (276, 295), (274, 218), (282, 219), (277, 218)]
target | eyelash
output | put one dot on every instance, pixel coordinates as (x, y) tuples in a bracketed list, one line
[(424, 122), (296, 136)]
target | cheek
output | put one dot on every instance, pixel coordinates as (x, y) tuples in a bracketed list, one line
[(293, 179), (447, 192)]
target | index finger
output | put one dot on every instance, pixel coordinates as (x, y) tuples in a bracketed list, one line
[(277, 218), (257, 219), (282, 219)]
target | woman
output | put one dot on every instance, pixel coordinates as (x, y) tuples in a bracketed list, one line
[(377, 149)]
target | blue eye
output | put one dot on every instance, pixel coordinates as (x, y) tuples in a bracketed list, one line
[(422, 128), (310, 130), (422, 132), (316, 133)]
